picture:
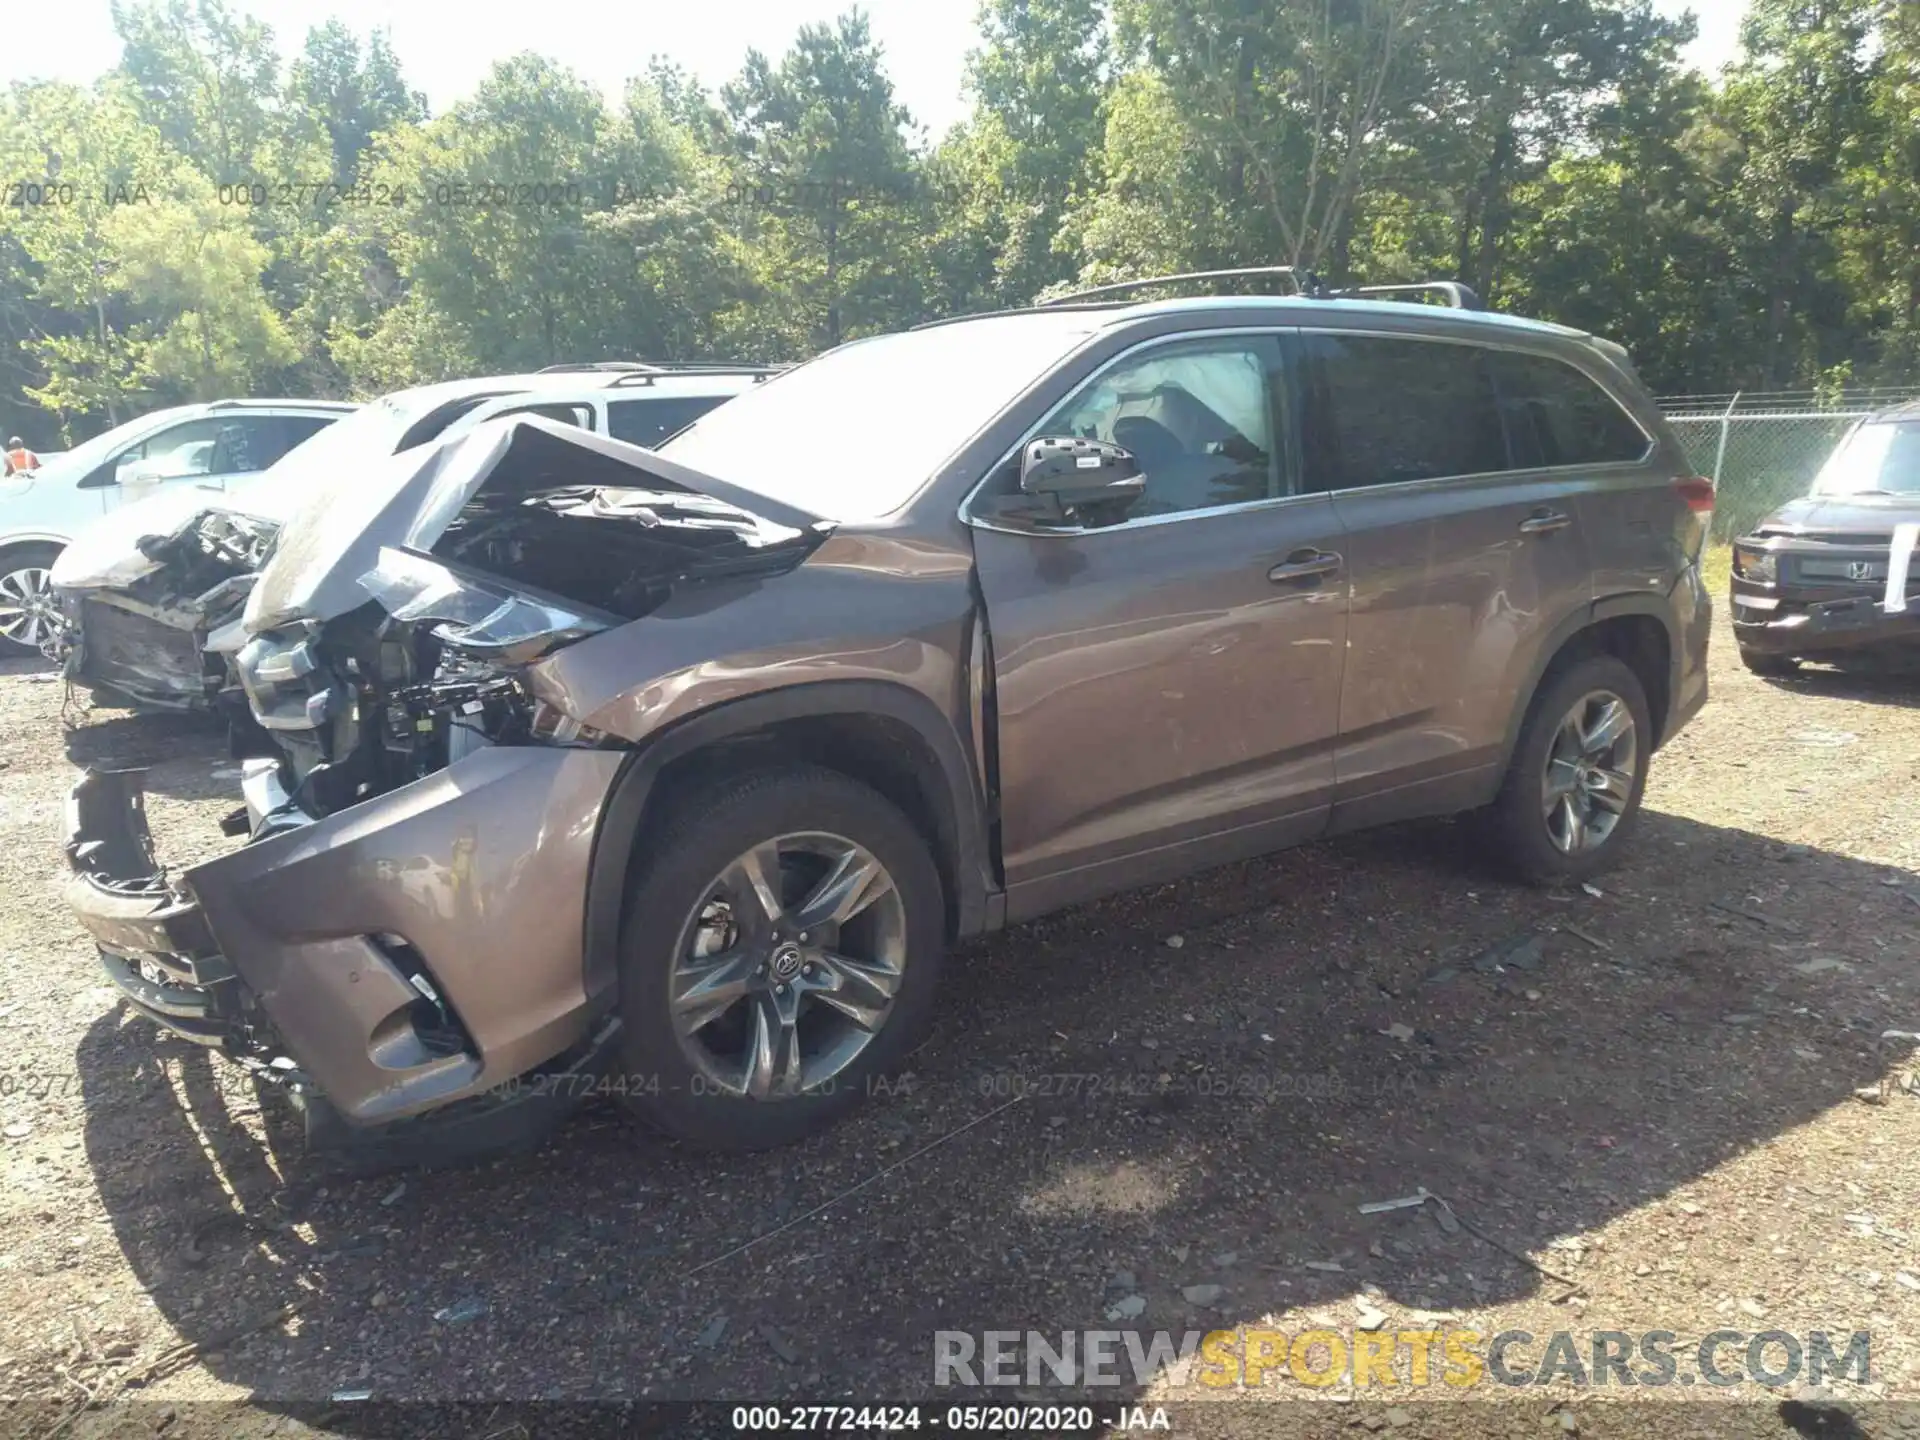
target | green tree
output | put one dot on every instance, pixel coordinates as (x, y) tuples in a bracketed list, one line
[(349, 93), (830, 201)]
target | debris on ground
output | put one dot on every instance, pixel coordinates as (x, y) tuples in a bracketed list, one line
[(1405, 1202), (1202, 1294), (1130, 1307), (1516, 952), (462, 1312), (715, 1332), (780, 1345)]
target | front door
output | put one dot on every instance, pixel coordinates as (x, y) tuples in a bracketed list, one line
[(1167, 686)]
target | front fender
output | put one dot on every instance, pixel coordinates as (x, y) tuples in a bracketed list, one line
[(624, 814)]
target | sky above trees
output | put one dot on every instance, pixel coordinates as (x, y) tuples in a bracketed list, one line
[(925, 41), (234, 208)]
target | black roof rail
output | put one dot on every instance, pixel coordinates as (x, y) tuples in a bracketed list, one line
[(649, 375), (648, 367), (1306, 285), (1456, 295), (1305, 282), (573, 365)]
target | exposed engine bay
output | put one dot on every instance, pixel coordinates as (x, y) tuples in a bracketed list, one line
[(148, 639), (556, 540)]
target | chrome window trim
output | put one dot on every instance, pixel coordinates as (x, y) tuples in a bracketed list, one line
[(1609, 467)]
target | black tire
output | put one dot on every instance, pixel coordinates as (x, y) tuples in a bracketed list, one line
[(1517, 820), (1772, 667), (18, 558), (706, 831)]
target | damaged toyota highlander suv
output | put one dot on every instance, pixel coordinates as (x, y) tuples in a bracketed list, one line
[(677, 773)]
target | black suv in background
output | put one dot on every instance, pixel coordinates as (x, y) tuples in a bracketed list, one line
[(1827, 576)]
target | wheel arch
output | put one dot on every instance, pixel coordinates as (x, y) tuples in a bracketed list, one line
[(884, 735), (1635, 629), (32, 540)]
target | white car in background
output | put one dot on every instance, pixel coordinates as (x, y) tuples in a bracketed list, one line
[(145, 595), (204, 446)]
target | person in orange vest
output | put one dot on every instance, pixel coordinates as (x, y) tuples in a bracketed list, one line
[(19, 458)]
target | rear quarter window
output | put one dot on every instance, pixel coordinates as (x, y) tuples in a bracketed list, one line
[(1562, 416)]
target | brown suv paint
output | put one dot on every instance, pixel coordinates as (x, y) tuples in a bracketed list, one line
[(686, 767)]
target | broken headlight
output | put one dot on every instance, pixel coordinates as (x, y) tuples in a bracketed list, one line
[(481, 617), (1762, 567)]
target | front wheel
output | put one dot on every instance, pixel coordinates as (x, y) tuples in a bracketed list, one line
[(29, 616), (1572, 792), (779, 959)]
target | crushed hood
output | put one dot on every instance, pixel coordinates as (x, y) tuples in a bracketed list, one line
[(1818, 515), (507, 478), (108, 554)]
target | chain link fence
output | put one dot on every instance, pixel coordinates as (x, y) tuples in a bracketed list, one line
[(1764, 450)]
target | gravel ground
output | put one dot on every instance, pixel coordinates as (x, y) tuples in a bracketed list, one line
[(1189, 1088)]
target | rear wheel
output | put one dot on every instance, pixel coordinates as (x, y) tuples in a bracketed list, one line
[(1572, 792), (28, 615), (780, 956), (1772, 666)]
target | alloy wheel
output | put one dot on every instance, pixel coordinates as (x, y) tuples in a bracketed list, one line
[(788, 966), (1590, 772), (28, 613)]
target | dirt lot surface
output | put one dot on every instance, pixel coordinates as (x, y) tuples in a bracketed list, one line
[(1167, 1109)]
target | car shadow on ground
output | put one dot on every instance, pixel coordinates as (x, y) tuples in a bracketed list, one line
[(1897, 686), (1100, 1114), (177, 752)]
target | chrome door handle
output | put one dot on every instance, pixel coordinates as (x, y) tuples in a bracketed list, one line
[(1304, 565), (1543, 522)]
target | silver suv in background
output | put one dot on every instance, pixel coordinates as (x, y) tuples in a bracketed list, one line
[(206, 447), (145, 591)]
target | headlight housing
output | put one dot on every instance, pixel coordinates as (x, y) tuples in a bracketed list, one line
[(1750, 562), (488, 621)]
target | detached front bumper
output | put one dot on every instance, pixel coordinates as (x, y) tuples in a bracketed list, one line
[(422, 951)]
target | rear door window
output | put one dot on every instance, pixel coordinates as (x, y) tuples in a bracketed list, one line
[(1385, 411), (1560, 416), (651, 421)]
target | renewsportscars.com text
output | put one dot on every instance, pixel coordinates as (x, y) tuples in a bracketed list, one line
[(1249, 1358)]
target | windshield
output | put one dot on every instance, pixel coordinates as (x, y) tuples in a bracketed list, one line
[(1876, 459), (854, 434)]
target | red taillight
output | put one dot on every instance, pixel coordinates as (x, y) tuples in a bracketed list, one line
[(1697, 491)]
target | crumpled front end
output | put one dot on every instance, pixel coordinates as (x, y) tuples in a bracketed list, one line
[(145, 628), (403, 936), (421, 949)]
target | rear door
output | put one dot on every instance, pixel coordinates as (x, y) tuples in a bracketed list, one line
[(1167, 685), (1465, 555), (1636, 526)]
